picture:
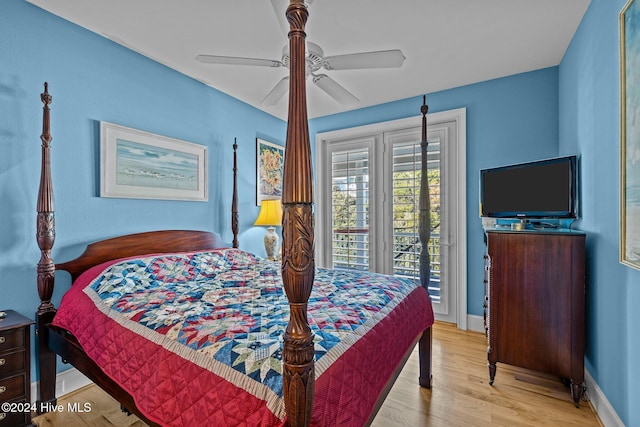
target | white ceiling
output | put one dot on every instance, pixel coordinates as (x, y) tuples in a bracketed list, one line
[(447, 43)]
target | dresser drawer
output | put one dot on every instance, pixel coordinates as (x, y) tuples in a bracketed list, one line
[(11, 339), (11, 363), (11, 388)]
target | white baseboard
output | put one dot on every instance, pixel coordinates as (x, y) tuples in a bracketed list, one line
[(475, 323), (601, 404), (66, 382)]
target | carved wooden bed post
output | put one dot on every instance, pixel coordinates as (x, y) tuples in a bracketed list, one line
[(45, 235), (234, 201), (424, 232), (298, 265)]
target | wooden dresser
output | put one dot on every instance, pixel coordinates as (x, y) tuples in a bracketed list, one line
[(15, 369), (534, 302)]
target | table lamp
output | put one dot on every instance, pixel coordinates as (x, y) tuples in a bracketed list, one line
[(270, 216)]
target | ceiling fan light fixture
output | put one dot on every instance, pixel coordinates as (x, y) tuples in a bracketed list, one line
[(314, 61), (314, 57)]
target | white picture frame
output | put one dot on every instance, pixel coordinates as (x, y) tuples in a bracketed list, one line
[(143, 165), (630, 135)]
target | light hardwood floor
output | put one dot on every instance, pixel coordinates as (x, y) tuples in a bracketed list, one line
[(461, 394)]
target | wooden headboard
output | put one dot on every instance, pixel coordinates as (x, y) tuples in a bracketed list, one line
[(152, 242)]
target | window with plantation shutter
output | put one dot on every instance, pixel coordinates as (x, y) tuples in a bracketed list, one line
[(350, 208)]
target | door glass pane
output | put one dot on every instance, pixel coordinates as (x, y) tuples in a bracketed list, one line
[(406, 195), (350, 209)]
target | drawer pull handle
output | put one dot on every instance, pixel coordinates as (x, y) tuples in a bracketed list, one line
[(2, 361), (2, 340), (2, 389)]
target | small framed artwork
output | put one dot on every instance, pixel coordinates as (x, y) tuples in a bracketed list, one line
[(143, 165), (630, 134), (270, 167)]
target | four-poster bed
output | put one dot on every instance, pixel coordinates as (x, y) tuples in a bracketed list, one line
[(314, 356)]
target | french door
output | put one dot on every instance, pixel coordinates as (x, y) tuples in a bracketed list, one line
[(367, 215)]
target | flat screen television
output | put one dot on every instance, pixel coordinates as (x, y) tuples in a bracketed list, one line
[(541, 189)]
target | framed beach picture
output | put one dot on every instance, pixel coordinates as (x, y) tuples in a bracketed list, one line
[(630, 134), (143, 165), (269, 170)]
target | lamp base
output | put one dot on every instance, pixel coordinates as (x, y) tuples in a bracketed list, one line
[(271, 241)]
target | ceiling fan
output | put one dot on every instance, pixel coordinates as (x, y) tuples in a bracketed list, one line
[(315, 61)]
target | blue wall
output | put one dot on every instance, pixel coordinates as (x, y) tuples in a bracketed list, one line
[(93, 79), (590, 124), (512, 119)]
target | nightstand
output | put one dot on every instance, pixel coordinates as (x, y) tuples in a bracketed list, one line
[(15, 368)]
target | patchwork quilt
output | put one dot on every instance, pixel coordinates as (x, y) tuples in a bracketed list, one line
[(196, 338)]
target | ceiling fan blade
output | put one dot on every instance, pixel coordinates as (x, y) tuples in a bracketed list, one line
[(335, 90), (234, 60), (277, 92), (357, 61), (280, 9)]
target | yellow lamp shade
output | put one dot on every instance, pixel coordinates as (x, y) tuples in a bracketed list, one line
[(270, 213)]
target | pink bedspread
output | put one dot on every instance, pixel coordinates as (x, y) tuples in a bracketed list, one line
[(196, 338)]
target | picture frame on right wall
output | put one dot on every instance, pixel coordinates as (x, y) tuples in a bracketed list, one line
[(630, 134)]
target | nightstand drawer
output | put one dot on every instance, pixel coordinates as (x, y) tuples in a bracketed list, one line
[(11, 419), (15, 375), (11, 388), (11, 363), (11, 339)]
